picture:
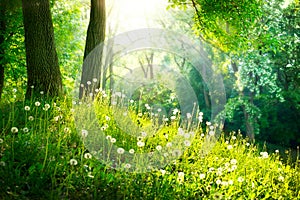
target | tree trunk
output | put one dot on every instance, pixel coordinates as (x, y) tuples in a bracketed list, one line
[(95, 35), (41, 57), (2, 48), (248, 121)]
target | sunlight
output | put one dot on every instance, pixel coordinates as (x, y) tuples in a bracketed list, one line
[(134, 14)]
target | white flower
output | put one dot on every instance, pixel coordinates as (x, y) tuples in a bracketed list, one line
[(158, 148), (30, 118), (108, 137), (233, 161), (229, 147), (202, 135), (41, 92), (127, 165), (202, 176), (120, 150), (140, 144), (90, 175), (176, 153), (175, 111), (27, 108), (107, 118), (25, 130), (281, 178), (113, 140), (95, 80), (264, 154), (37, 104), (225, 183), (131, 151), (144, 134), (131, 101), (187, 143), (276, 151), (169, 144), (247, 144), (180, 177), (2, 163), (162, 171), (188, 115), (46, 107), (14, 129), (173, 117), (208, 123), (230, 182), (73, 162), (233, 137), (159, 110), (218, 182), (14, 90), (87, 156), (66, 130), (180, 131), (233, 167), (240, 179), (84, 133), (211, 133), (89, 82)]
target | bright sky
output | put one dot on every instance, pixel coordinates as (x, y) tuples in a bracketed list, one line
[(135, 14)]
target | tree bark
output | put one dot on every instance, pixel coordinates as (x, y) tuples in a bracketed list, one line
[(41, 57), (95, 36), (248, 121), (2, 48)]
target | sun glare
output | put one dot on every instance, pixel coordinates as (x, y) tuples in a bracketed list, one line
[(134, 14)]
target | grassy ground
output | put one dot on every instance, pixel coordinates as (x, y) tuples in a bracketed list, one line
[(46, 154)]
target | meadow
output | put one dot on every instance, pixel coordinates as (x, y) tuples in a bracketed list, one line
[(46, 154)]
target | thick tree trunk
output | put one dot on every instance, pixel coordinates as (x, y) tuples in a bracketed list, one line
[(41, 58), (95, 35), (2, 49)]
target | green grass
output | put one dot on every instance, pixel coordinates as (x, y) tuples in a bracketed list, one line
[(46, 157)]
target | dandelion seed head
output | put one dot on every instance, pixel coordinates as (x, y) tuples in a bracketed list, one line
[(158, 148), (120, 150), (87, 156), (37, 104), (281, 178), (240, 179), (233, 161), (140, 144), (202, 176), (187, 143), (131, 151), (2, 164), (169, 144), (25, 130), (84, 133), (127, 166), (27, 108), (113, 140), (73, 162), (14, 130)]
